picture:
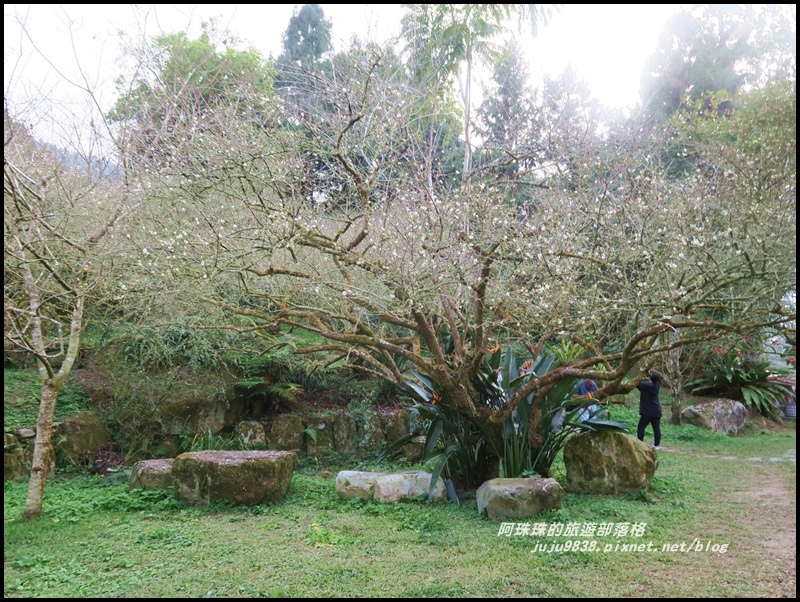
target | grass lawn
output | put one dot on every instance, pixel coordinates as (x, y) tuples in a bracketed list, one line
[(100, 539)]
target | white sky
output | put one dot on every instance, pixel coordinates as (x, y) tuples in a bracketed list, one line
[(606, 44)]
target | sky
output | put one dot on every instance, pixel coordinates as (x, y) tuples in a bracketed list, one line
[(606, 44)]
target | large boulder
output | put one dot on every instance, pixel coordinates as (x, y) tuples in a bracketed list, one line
[(368, 426), (178, 403), (286, 432), (151, 474), (202, 410), (608, 463), (517, 498), (721, 415), (414, 450), (242, 477), (80, 434)]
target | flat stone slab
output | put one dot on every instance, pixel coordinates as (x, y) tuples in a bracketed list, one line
[(518, 498), (151, 474), (243, 477), (386, 486), (354, 483), (406, 486)]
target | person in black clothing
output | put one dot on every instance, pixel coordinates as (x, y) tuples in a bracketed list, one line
[(650, 407)]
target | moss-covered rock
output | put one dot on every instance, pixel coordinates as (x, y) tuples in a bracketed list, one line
[(202, 410), (414, 450), (286, 432), (321, 424), (396, 424), (621, 400), (242, 477), (721, 415), (251, 433), (608, 463), (80, 434), (517, 498), (173, 403), (13, 458), (151, 474), (344, 433)]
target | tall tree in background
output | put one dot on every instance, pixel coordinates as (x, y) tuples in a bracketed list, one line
[(456, 36), (508, 119), (706, 56), (306, 39), (716, 47), (175, 80)]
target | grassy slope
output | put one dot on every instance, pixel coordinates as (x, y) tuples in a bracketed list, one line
[(22, 394)]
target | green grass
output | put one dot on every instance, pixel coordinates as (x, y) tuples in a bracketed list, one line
[(100, 539), (22, 394)]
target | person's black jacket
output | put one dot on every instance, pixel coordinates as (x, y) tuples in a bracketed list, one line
[(649, 406)]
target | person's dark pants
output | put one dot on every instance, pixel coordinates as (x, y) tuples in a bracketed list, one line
[(656, 422)]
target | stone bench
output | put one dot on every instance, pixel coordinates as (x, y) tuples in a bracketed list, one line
[(243, 477), (517, 498), (386, 486)]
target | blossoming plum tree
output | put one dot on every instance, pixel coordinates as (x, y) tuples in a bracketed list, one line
[(391, 274)]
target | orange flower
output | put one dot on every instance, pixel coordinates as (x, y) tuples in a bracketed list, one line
[(527, 365), (436, 398)]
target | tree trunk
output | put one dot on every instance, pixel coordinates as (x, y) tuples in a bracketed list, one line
[(675, 380), (51, 385), (466, 172), (43, 448)]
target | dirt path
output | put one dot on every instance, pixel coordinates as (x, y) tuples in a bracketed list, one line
[(762, 527), (772, 510)]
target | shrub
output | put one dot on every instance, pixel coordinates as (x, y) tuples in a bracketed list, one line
[(175, 345), (101, 462), (735, 374), (566, 352), (459, 447)]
